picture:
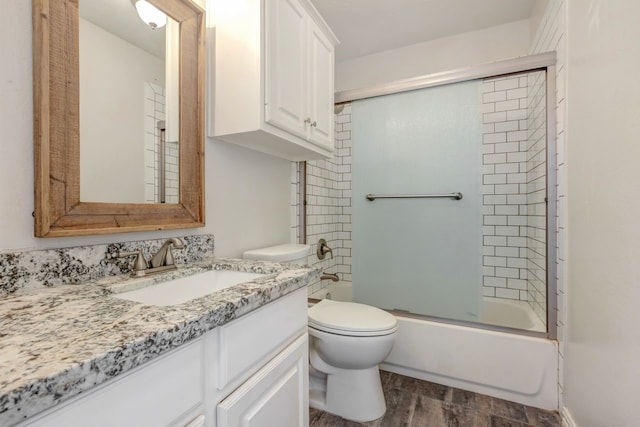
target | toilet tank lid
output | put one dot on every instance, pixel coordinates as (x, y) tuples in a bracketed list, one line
[(279, 253)]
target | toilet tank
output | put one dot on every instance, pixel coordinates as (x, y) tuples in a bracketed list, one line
[(289, 252)]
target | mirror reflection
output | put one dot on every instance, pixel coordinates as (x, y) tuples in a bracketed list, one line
[(128, 103)]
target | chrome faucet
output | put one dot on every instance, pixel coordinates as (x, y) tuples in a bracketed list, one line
[(160, 261), (164, 256)]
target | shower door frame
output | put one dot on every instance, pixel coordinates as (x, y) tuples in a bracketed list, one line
[(539, 62)]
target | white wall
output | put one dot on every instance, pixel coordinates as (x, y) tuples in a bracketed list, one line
[(448, 53), (602, 369), (247, 193), (248, 198), (537, 17), (113, 73)]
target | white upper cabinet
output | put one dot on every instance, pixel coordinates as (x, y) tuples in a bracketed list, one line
[(286, 75), (321, 72), (272, 77)]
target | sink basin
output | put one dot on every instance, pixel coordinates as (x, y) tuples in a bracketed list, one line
[(187, 288)]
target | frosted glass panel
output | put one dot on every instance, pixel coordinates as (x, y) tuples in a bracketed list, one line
[(419, 255)]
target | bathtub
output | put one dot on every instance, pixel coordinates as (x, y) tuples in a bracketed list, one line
[(511, 314), (514, 367)]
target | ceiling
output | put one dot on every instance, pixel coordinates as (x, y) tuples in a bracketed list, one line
[(119, 17), (362, 26), (368, 26)]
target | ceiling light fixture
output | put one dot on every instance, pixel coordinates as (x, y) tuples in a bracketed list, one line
[(151, 15)]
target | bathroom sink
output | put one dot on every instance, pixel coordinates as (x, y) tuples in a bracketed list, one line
[(187, 288)]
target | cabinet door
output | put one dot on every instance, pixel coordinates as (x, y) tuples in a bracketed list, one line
[(321, 72), (277, 395), (286, 29)]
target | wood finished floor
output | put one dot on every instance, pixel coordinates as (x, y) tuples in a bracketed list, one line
[(416, 403)]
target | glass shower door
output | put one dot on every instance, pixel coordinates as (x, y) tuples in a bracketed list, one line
[(419, 255)]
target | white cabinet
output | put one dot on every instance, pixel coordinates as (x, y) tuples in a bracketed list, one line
[(286, 76), (272, 77), (321, 84), (253, 369), (242, 343), (277, 395), (167, 391), (299, 74)]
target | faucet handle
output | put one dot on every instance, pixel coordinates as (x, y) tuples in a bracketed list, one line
[(139, 265), (323, 249)]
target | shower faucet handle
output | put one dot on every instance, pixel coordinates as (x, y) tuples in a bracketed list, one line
[(323, 249)]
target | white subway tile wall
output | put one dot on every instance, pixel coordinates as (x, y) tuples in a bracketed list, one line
[(536, 194), (296, 202), (551, 36), (504, 187), (154, 112), (329, 203), (171, 172)]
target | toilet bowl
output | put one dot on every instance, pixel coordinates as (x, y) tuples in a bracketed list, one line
[(347, 342)]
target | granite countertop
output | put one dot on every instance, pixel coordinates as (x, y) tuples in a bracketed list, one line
[(58, 342)]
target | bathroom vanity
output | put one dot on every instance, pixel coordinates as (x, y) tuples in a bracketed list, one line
[(81, 355)]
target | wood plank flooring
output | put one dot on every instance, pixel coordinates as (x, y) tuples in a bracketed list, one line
[(416, 403)]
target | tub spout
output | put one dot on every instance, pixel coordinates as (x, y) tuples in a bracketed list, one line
[(331, 276)]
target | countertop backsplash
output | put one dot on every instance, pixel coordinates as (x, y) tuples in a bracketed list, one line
[(51, 267)]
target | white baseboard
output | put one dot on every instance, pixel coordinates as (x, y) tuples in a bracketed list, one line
[(567, 419)]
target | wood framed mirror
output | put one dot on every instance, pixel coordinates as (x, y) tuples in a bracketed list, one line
[(59, 210)]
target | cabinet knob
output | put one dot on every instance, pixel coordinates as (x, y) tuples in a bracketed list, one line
[(307, 120), (314, 124)]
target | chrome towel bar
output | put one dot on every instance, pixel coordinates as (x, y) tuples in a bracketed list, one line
[(454, 196)]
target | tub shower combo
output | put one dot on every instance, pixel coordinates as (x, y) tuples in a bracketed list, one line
[(453, 224)]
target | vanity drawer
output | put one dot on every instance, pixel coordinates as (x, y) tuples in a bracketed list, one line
[(260, 334), (157, 394)]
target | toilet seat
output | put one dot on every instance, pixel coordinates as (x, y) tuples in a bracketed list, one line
[(351, 319)]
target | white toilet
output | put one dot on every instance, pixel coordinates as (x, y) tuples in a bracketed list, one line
[(347, 342)]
